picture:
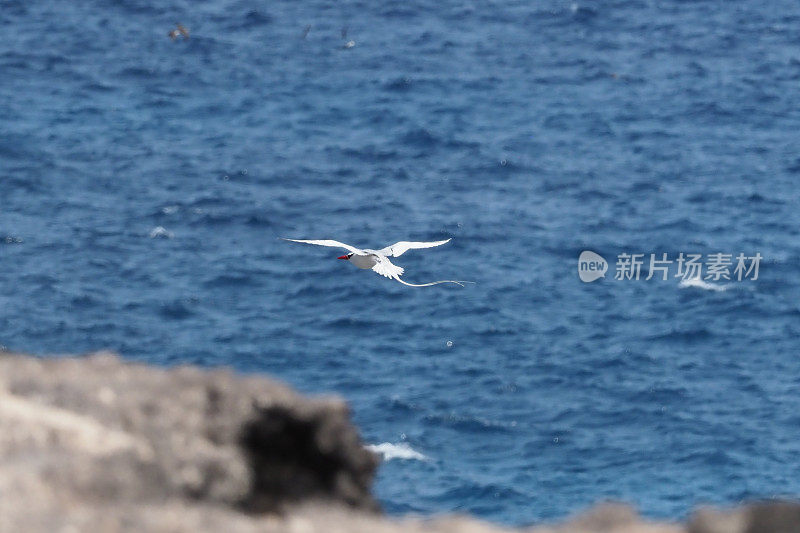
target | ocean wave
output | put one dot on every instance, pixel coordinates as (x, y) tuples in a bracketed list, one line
[(701, 284), (178, 309), (389, 451), (233, 279), (472, 424), (159, 232)]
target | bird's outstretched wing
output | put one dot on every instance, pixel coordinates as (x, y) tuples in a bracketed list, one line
[(327, 242), (399, 248), (384, 267)]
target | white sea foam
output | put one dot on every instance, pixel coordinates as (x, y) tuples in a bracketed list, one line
[(160, 232), (389, 451), (701, 284)]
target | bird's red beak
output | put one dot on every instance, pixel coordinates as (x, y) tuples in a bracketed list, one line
[(343, 257)]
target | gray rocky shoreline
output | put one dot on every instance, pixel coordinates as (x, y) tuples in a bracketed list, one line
[(96, 444)]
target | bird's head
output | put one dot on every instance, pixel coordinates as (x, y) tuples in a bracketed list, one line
[(346, 257)]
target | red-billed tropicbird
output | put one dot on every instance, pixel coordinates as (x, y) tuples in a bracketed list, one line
[(378, 260)]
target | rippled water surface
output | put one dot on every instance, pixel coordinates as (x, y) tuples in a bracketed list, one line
[(144, 185)]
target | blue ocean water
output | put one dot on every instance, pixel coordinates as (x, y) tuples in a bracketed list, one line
[(144, 185)]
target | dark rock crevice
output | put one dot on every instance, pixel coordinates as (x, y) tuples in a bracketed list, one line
[(295, 456)]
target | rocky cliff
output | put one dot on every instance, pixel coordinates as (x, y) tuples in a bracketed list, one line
[(95, 444)]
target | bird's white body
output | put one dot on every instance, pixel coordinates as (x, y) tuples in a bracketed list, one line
[(369, 260), (378, 260)]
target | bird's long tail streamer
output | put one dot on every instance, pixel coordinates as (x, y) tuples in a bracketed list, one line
[(460, 283)]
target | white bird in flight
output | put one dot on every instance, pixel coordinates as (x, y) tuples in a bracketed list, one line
[(378, 260)]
